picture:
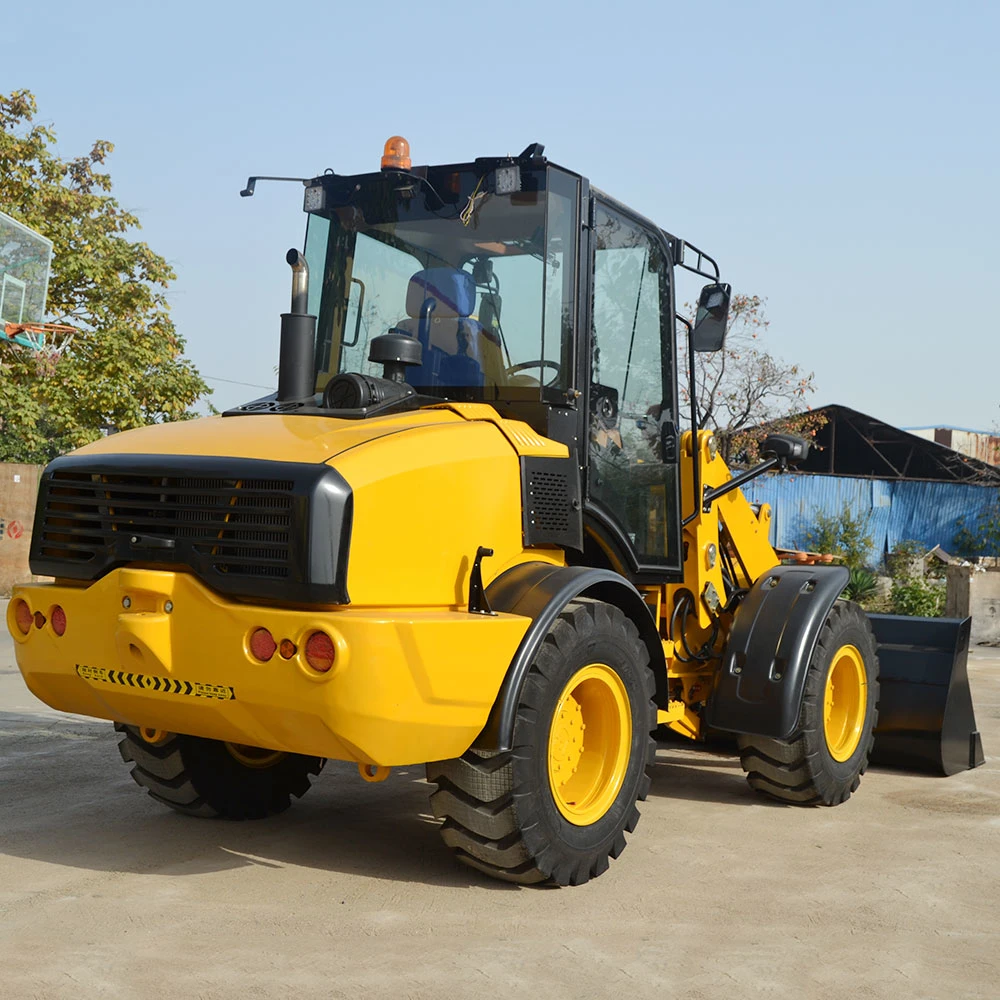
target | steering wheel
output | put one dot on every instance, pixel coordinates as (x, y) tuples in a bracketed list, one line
[(554, 365)]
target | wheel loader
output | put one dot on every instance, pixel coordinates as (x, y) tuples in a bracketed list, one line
[(469, 531)]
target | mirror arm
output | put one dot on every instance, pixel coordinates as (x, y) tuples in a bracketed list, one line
[(697, 267), (744, 477)]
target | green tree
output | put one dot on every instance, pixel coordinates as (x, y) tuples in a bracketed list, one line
[(744, 392), (125, 368), (845, 535)]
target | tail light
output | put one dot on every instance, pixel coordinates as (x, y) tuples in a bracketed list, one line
[(287, 648), (262, 644), (22, 616), (320, 652), (39, 620), (58, 620)]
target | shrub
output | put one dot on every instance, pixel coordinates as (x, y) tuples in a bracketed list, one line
[(982, 536), (920, 598), (844, 535), (901, 561)]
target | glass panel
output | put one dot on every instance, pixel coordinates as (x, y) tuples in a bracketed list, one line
[(561, 228), (632, 405), (471, 274)]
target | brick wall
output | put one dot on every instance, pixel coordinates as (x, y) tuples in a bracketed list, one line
[(18, 489)]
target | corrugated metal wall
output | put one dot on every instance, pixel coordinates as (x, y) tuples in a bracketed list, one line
[(898, 511)]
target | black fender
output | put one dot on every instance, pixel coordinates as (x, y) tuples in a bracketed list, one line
[(540, 591), (774, 634)]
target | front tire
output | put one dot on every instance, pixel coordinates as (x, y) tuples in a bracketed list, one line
[(823, 762), (557, 806), (209, 778)]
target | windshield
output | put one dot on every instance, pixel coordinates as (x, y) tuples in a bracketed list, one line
[(485, 282)]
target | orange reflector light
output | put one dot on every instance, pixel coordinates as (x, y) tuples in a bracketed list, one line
[(320, 652), (396, 155), (39, 619), (262, 644), (58, 620), (287, 649), (22, 615)]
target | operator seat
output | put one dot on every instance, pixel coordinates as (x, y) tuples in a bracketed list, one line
[(457, 350)]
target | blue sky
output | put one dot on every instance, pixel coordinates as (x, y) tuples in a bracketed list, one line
[(840, 160)]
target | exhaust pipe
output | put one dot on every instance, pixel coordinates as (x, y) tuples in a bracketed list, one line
[(296, 360)]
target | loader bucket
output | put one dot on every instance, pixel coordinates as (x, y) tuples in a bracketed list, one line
[(925, 719)]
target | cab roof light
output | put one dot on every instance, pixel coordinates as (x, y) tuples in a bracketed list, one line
[(396, 155)]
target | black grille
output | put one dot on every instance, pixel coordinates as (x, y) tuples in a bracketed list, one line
[(550, 498), (548, 493), (238, 526), (247, 527)]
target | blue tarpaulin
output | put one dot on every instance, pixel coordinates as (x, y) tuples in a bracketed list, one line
[(897, 510)]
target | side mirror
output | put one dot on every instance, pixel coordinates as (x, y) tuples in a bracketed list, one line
[(788, 449), (709, 332)]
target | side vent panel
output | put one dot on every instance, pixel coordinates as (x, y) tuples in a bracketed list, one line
[(551, 509)]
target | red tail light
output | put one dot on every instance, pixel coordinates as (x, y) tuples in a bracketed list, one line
[(287, 649), (39, 620), (320, 652), (262, 644), (58, 620), (23, 616)]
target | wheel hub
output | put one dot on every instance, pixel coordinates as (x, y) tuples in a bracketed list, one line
[(845, 701), (256, 757), (590, 741)]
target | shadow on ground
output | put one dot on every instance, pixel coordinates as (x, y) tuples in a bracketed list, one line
[(66, 798)]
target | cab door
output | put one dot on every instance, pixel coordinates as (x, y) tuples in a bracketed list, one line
[(632, 473)]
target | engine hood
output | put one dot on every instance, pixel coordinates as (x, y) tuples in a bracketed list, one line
[(276, 437)]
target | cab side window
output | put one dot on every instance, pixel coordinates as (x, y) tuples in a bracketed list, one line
[(632, 440)]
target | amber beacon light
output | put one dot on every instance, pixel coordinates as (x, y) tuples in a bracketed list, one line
[(396, 155)]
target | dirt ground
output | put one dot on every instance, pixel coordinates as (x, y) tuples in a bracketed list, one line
[(104, 893)]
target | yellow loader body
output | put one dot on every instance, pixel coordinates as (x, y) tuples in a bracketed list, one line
[(414, 675)]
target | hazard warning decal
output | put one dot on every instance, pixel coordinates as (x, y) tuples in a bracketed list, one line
[(149, 682)]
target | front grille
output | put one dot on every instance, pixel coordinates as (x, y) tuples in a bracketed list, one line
[(238, 526), (251, 528)]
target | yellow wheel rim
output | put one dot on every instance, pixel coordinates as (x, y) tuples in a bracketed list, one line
[(589, 744), (844, 702), (250, 756)]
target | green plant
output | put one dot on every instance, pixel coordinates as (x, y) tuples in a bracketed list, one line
[(844, 535), (903, 558), (126, 366), (862, 585), (920, 598), (981, 537)]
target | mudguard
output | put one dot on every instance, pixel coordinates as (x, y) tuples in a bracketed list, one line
[(774, 633), (925, 717), (541, 591)]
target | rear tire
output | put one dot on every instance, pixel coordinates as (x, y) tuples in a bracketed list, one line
[(209, 778), (557, 806), (823, 762)]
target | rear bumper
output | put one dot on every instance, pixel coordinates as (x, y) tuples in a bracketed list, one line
[(408, 684)]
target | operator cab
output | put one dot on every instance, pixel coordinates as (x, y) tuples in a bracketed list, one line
[(525, 289)]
